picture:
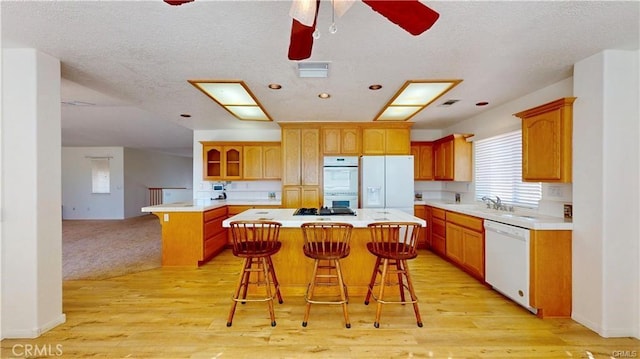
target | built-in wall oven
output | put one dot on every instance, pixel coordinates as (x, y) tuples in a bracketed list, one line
[(340, 179)]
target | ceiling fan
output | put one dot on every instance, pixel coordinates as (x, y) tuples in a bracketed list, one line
[(411, 15)]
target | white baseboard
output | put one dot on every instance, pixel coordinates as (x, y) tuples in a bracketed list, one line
[(35, 332)]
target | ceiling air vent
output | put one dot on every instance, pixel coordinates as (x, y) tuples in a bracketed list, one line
[(313, 69), (448, 103)]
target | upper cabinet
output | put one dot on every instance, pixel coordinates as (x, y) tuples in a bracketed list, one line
[(422, 160), (241, 161), (386, 140), (546, 141), (221, 162), (452, 158), (341, 141)]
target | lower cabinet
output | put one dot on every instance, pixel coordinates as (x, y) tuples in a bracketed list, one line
[(421, 211), (465, 243), (438, 231), (214, 235)]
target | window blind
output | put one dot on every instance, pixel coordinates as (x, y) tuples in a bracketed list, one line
[(498, 171)]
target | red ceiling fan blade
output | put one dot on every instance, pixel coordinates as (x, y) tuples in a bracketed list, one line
[(301, 41), (410, 15), (177, 2)]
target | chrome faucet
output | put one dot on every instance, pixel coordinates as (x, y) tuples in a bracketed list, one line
[(495, 204)]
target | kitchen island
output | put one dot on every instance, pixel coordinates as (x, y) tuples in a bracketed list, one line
[(294, 269)]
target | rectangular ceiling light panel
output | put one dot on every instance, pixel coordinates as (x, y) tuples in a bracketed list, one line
[(414, 96), (235, 97)]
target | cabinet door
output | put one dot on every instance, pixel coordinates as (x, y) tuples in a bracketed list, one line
[(272, 162), (397, 141), (310, 196), (292, 157), (415, 152), (541, 142), (331, 140), (232, 162), (212, 162), (252, 162), (310, 156), (473, 252), (426, 162), (454, 243), (350, 141), (291, 197), (444, 160), (373, 141)]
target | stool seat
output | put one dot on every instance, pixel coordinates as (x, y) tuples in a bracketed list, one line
[(393, 244), (256, 242), (326, 243)]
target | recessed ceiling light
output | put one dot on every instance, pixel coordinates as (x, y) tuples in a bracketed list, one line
[(185, 115), (324, 95), (375, 87), (482, 103), (275, 86)]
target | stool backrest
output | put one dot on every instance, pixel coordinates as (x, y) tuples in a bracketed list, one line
[(326, 238), (254, 236), (397, 239)]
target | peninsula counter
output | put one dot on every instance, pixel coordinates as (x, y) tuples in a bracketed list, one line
[(294, 269)]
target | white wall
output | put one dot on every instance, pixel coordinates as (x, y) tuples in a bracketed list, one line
[(144, 169), (606, 236), (77, 200), (31, 165)]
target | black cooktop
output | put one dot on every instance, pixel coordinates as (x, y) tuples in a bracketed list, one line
[(324, 211)]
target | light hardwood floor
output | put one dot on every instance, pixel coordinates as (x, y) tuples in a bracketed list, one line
[(181, 313)]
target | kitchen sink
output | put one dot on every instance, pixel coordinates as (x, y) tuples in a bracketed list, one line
[(518, 216)]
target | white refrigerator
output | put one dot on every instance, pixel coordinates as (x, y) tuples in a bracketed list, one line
[(387, 182)]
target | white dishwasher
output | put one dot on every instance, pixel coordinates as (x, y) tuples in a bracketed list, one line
[(507, 261)]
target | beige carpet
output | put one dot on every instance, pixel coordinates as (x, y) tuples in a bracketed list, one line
[(98, 249)]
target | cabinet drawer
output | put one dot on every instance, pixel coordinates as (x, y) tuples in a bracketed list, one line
[(214, 244), (438, 213), (213, 227), (473, 223), (438, 227), (215, 213)]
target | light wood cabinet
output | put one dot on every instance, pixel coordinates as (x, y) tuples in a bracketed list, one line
[(465, 242), (550, 273), (261, 162), (546, 141), (214, 235), (422, 160), (386, 141), (241, 160), (452, 156), (341, 141), (301, 167), (438, 231), (222, 162)]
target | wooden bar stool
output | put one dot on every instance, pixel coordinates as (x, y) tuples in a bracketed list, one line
[(256, 242), (393, 243), (326, 243)]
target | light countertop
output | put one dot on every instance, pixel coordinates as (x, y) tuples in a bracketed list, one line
[(191, 207), (518, 218), (363, 217)]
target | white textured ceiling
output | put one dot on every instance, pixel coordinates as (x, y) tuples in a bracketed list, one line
[(132, 59)]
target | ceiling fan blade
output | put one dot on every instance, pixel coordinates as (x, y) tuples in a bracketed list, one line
[(177, 2), (411, 15), (301, 41)]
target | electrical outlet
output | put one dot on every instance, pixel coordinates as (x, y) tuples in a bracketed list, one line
[(568, 211)]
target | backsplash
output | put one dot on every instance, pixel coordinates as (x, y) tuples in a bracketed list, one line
[(236, 190)]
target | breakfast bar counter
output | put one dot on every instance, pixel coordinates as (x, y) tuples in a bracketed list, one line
[(294, 269)]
